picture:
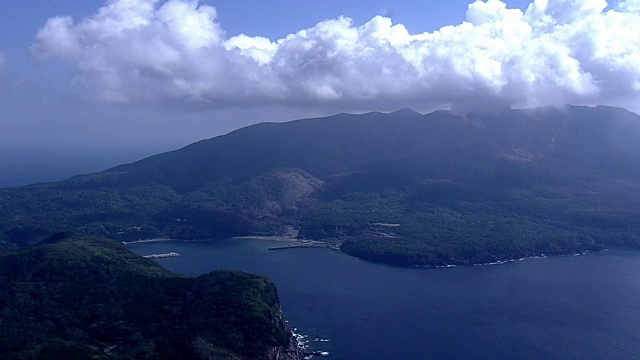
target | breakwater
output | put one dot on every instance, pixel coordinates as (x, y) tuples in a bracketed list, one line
[(306, 246), (162, 256)]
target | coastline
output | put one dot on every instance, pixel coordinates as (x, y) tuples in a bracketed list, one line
[(502, 262), (288, 239), (267, 238), (147, 241), (302, 344)]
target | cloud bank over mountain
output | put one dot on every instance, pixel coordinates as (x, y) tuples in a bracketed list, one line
[(177, 53)]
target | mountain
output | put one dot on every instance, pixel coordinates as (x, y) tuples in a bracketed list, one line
[(76, 297), (400, 188)]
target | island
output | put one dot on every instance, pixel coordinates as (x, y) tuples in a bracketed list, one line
[(401, 188)]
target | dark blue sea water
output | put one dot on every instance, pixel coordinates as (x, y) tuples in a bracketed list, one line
[(582, 307)]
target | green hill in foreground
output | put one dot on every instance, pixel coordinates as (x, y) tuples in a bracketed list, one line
[(76, 297), (455, 189)]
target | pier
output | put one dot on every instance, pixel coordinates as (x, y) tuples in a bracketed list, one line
[(142, 241), (162, 256), (308, 245)]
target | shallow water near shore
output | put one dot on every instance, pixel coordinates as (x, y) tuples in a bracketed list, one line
[(575, 307)]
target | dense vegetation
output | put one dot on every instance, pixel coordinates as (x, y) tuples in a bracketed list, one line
[(458, 190), (76, 297)]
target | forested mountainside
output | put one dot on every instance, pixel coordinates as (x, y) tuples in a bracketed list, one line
[(402, 188), (77, 297)]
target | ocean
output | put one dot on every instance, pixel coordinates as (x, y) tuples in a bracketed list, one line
[(576, 307)]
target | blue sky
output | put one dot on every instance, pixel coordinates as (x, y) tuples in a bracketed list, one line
[(88, 84)]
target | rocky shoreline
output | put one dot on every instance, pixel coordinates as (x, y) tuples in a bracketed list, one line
[(297, 349), (291, 352)]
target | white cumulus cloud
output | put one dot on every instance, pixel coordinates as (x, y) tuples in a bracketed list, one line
[(176, 52)]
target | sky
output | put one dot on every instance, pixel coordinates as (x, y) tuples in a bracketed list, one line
[(85, 85)]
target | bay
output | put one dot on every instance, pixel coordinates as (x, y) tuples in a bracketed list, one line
[(581, 307)]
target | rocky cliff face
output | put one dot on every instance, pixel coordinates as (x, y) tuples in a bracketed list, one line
[(291, 352)]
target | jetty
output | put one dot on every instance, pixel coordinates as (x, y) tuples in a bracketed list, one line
[(307, 245), (162, 256), (142, 241)]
